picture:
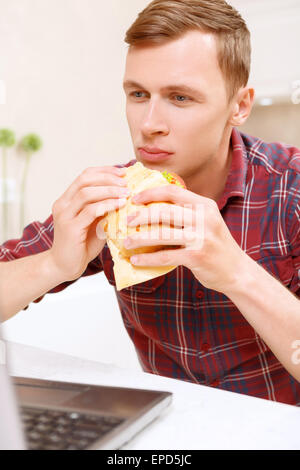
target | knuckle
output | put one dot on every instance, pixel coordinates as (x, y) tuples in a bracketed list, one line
[(84, 177), (82, 194), (82, 180), (56, 207)]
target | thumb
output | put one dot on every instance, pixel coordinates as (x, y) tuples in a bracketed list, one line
[(95, 240)]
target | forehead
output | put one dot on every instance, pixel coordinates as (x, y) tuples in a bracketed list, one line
[(191, 58)]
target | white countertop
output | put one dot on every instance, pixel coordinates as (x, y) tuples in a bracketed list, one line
[(200, 417)]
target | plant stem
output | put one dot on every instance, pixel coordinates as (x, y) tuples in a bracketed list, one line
[(23, 187), (4, 194)]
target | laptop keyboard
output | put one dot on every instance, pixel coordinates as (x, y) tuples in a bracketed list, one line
[(57, 430)]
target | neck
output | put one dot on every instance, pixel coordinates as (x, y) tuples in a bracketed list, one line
[(211, 179)]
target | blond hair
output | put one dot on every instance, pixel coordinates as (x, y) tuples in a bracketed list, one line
[(165, 20)]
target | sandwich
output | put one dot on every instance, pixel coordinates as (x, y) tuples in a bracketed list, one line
[(139, 178)]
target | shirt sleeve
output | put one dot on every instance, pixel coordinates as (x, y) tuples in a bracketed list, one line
[(294, 239), (36, 238)]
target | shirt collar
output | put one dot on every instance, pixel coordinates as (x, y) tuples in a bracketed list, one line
[(236, 180)]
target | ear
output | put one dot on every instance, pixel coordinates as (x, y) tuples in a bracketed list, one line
[(242, 106)]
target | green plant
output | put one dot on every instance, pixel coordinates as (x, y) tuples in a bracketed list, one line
[(7, 139), (30, 144)]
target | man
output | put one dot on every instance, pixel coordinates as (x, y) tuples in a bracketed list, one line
[(229, 315)]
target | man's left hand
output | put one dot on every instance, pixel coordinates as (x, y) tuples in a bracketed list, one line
[(194, 223)]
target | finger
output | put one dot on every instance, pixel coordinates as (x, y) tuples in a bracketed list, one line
[(109, 205), (170, 214), (102, 176), (95, 211), (159, 258), (161, 236), (170, 193), (89, 195)]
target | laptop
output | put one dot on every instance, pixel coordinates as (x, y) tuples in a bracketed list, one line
[(50, 415)]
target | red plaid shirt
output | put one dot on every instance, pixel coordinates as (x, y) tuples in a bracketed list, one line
[(182, 330)]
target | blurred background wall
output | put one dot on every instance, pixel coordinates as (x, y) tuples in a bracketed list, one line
[(275, 74), (62, 63)]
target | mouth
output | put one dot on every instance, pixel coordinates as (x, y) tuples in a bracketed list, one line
[(154, 154)]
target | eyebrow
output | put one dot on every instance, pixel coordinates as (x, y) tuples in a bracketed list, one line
[(174, 87)]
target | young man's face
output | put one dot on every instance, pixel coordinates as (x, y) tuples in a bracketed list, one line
[(191, 125)]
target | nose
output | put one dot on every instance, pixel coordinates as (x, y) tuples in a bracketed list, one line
[(153, 120)]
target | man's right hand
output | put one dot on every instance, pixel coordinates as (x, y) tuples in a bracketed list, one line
[(76, 215)]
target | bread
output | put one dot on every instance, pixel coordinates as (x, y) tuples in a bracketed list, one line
[(139, 178)]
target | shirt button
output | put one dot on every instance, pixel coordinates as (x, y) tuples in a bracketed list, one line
[(199, 294), (215, 383), (205, 347)]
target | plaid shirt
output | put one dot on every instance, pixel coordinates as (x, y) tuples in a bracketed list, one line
[(182, 330)]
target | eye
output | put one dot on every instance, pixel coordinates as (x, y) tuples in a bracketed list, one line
[(135, 94), (182, 98)]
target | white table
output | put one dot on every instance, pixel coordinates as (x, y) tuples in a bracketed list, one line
[(200, 417)]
